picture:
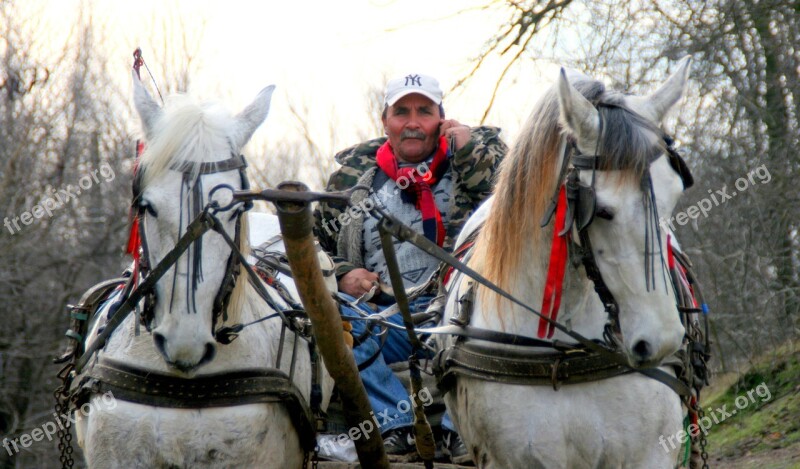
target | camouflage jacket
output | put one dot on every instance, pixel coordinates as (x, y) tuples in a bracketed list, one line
[(340, 230)]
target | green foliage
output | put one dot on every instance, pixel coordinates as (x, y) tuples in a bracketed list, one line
[(764, 424)]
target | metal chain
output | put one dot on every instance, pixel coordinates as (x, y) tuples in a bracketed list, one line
[(703, 442), (313, 457), (62, 408)]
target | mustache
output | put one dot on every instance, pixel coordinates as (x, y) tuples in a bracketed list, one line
[(418, 134)]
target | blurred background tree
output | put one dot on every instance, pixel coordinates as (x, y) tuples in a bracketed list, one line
[(741, 113)]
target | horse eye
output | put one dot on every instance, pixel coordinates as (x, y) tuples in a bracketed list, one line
[(604, 213), (148, 207)]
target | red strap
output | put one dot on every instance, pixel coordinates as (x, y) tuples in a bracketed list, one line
[(670, 256), (138, 61), (555, 271), (134, 238), (681, 271)]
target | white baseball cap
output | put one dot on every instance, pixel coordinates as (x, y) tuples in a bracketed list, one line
[(413, 83)]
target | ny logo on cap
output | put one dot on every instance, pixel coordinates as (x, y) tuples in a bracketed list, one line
[(413, 80)]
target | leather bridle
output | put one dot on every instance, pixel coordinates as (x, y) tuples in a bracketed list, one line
[(582, 209), (191, 169)]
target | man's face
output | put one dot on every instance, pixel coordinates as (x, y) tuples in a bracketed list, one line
[(412, 125)]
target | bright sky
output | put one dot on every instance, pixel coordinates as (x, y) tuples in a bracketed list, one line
[(325, 55)]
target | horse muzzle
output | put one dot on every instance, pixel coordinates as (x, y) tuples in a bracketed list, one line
[(185, 354)]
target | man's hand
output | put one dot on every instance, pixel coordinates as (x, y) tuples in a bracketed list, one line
[(357, 282), (452, 129)]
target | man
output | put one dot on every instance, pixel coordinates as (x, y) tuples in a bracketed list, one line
[(431, 173)]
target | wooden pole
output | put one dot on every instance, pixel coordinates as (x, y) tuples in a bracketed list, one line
[(296, 225)]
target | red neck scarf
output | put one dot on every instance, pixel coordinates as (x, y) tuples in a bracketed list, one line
[(418, 185)]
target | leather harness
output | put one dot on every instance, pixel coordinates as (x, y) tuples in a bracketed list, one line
[(586, 361), (232, 388), (239, 387)]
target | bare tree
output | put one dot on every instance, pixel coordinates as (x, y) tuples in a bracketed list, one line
[(66, 154), (63, 190)]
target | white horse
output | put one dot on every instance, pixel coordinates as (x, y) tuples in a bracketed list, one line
[(609, 423), (182, 136)]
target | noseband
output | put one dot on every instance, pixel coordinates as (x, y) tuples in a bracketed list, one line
[(190, 169)]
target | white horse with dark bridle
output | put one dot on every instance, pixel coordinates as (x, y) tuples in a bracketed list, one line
[(183, 398), (614, 417)]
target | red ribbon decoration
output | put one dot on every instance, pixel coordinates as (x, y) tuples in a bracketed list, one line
[(134, 239), (555, 271), (681, 271)]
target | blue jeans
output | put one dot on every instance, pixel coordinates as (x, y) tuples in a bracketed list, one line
[(386, 393)]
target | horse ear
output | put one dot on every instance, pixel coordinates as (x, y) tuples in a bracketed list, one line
[(577, 113), (149, 111), (252, 116), (660, 101)]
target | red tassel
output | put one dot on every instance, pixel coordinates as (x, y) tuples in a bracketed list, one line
[(555, 272), (133, 240)]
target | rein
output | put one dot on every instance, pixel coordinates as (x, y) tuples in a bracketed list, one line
[(405, 233)]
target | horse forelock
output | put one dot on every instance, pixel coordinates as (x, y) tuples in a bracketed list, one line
[(528, 176), (629, 140), (186, 131)]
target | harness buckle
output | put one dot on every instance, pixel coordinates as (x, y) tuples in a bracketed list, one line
[(554, 375), (466, 302)]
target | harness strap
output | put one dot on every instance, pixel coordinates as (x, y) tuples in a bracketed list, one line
[(522, 367), (397, 282), (255, 280), (593, 273), (404, 233), (248, 386), (234, 162)]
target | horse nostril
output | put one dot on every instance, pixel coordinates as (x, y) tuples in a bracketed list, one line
[(642, 350), (161, 343), (210, 353)]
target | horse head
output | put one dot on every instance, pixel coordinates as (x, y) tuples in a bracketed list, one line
[(191, 149), (627, 165)]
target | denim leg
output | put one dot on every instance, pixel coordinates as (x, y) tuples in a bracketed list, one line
[(383, 388), (397, 347)]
